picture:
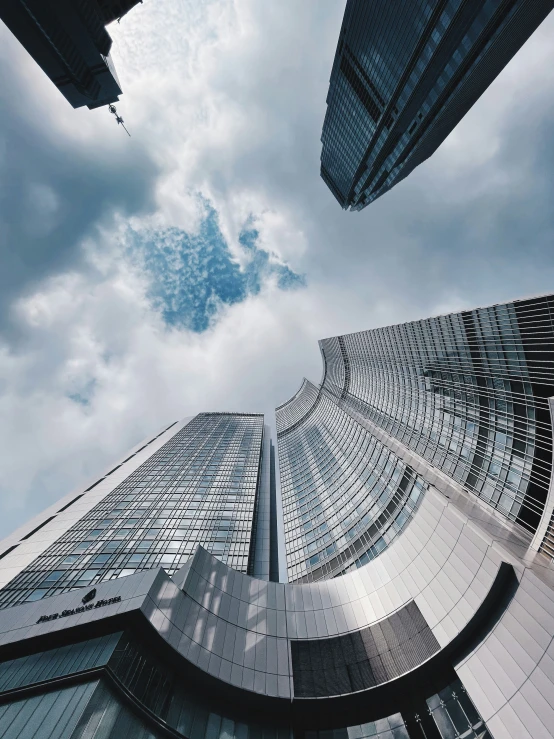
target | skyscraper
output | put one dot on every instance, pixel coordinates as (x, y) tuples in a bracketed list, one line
[(405, 73), (204, 480), (69, 41), (466, 394), (417, 522)]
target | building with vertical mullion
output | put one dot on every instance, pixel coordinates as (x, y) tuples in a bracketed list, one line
[(404, 75), (203, 485), (468, 393), (415, 508)]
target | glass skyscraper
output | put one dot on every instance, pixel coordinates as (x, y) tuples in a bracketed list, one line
[(204, 485), (468, 393), (346, 495), (69, 41), (414, 508), (405, 73)]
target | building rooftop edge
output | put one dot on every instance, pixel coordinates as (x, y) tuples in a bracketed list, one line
[(441, 315)]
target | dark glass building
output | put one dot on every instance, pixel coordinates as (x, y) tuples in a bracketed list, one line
[(415, 507), (69, 41), (405, 73)]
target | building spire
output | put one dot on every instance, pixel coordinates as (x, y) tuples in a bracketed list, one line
[(118, 118)]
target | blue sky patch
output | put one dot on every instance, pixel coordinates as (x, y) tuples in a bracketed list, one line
[(83, 395), (192, 276)]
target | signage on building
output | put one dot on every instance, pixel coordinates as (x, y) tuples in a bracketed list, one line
[(89, 596), (81, 609)]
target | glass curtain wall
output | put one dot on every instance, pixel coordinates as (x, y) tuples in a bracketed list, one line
[(200, 487)]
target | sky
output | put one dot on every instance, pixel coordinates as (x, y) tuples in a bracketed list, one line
[(195, 265)]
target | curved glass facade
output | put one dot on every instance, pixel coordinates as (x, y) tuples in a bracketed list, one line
[(298, 407), (414, 611), (345, 495), (467, 392), (404, 75)]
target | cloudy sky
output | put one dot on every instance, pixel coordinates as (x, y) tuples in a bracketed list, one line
[(195, 265)]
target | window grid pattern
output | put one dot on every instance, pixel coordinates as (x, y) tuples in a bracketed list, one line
[(481, 34), (298, 407), (468, 392), (403, 77), (345, 495), (200, 487), (376, 44)]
